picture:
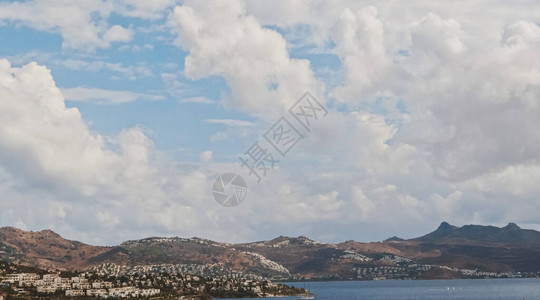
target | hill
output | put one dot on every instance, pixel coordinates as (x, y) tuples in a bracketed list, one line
[(45, 249), (470, 250)]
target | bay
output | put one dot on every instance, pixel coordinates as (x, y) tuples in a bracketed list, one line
[(463, 289)]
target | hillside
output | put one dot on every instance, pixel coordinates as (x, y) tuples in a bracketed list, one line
[(474, 246), (509, 249), (152, 251), (45, 249)]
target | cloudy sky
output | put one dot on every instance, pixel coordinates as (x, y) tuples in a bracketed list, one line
[(117, 115)]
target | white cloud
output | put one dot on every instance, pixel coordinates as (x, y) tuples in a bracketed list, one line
[(136, 48), (438, 120), (436, 36), (456, 75), (364, 205), (466, 80), (118, 33), (106, 96), (206, 156), (521, 33), (201, 100), (177, 87), (131, 72), (230, 122), (47, 150), (223, 40), (359, 38), (142, 8), (32, 56), (48, 154), (82, 24), (485, 102)]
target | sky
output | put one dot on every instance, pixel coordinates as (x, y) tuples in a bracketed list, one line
[(117, 116)]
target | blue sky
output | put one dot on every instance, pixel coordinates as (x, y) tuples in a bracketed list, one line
[(171, 123), (432, 115)]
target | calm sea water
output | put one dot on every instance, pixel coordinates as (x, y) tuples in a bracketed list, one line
[(483, 289)]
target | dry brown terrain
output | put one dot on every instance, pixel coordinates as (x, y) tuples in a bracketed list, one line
[(485, 248), (45, 249)]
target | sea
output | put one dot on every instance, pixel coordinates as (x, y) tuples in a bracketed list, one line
[(465, 289)]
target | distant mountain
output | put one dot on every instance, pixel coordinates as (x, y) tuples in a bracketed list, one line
[(470, 247), (510, 234), (489, 248), (394, 239), (48, 250)]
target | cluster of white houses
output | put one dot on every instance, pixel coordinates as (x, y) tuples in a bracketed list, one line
[(75, 286)]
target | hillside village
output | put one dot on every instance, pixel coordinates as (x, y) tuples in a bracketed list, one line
[(138, 285), (194, 266), (27, 283), (217, 271)]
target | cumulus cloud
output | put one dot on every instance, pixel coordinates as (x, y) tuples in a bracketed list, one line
[(484, 103), (223, 40), (436, 118), (206, 156), (82, 183), (118, 33), (69, 172), (445, 94), (82, 24), (359, 38), (49, 149), (460, 85), (521, 33), (31, 95)]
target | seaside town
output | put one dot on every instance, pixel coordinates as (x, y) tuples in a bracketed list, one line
[(400, 268), (16, 285), (404, 268), (26, 283), (415, 271), (167, 281)]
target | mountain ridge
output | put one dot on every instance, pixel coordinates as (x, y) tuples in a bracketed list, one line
[(478, 247), (509, 234)]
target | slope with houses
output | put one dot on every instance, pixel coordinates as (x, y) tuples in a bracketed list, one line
[(448, 252)]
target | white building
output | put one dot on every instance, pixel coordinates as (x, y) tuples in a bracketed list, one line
[(74, 293), (97, 293), (149, 292), (46, 289), (102, 285), (50, 277), (12, 278), (24, 279), (130, 291), (81, 286)]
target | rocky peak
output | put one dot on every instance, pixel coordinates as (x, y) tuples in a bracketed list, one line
[(511, 226)]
